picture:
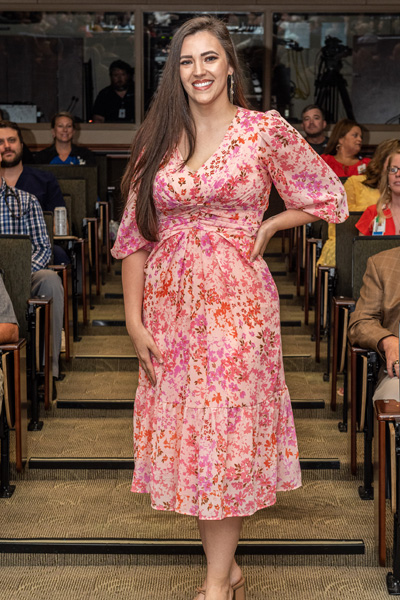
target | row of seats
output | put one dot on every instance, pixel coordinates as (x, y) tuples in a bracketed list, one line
[(27, 364), (334, 292)]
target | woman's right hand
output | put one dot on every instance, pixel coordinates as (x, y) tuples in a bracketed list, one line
[(145, 347)]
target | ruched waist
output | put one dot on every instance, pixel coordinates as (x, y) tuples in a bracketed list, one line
[(207, 222)]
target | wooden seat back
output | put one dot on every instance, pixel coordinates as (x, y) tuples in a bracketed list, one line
[(15, 262), (88, 174), (74, 192), (363, 248), (345, 233)]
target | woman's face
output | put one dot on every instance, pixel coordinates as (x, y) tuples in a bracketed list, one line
[(204, 69), (351, 142), (394, 178), (63, 130)]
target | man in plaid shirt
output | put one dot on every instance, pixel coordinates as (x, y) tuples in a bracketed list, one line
[(20, 213)]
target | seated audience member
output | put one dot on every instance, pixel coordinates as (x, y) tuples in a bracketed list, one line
[(116, 102), (27, 156), (383, 218), (20, 213), (42, 184), (375, 322), (314, 125), (8, 321), (63, 151), (362, 191), (342, 152)]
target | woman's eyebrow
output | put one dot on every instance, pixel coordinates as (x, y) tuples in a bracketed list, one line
[(202, 54)]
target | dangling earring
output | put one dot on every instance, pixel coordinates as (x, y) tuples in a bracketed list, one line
[(230, 87)]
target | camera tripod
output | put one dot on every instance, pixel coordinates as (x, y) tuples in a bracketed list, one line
[(330, 86)]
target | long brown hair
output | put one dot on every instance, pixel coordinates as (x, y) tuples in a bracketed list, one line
[(341, 128), (386, 193), (168, 117), (374, 168)]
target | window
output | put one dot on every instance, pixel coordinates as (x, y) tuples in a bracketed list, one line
[(348, 64), (54, 61)]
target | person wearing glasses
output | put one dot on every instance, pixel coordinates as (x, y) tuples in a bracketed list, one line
[(383, 218)]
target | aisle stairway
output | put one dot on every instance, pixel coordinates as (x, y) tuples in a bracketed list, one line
[(73, 530)]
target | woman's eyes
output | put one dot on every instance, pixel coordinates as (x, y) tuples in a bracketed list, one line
[(189, 61)]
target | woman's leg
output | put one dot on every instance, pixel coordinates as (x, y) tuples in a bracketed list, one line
[(235, 572), (220, 540)]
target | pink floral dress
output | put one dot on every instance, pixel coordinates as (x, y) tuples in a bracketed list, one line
[(215, 437)]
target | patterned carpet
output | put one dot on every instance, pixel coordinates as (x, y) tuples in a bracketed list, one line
[(91, 503)]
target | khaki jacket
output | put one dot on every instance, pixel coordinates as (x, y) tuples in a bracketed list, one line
[(377, 312)]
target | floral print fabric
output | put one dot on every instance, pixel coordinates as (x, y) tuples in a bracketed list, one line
[(215, 437)]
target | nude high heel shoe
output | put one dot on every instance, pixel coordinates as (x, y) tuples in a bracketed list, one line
[(238, 589), (239, 592)]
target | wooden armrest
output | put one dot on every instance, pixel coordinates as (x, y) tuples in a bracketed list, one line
[(343, 301), (11, 347), (387, 410), (65, 237), (325, 267), (59, 267), (39, 300), (358, 350)]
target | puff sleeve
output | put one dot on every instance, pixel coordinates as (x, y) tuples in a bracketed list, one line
[(303, 180), (129, 239)]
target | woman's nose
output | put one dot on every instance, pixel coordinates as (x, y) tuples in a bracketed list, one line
[(199, 68)]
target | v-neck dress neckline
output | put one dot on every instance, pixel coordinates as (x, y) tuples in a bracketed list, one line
[(227, 136)]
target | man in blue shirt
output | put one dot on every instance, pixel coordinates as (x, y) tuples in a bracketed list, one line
[(42, 184), (20, 213)]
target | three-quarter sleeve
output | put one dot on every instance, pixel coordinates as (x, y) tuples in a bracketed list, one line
[(129, 240), (304, 181)]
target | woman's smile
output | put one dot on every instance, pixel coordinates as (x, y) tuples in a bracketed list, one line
[(202, 85), (204, 67)]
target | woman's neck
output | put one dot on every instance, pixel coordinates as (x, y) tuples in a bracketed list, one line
[(345, 158), (205, 116), (63, 148)]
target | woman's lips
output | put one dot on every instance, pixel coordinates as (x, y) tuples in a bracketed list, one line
[(202, 85)]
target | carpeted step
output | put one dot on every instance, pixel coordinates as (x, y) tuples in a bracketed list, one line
[(103, 445), (116, 390), (105, 509), (163, 578), (116, 353)]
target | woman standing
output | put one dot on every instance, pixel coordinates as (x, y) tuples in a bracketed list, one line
[(213, 431), (383, 218), (342, 153), (63, 151)]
